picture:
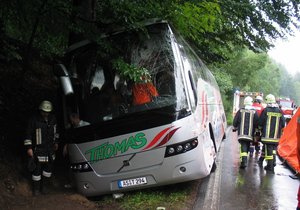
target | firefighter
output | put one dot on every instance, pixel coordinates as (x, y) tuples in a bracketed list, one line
[(271, 123), (245, 122), (257, 104), (41, 143)]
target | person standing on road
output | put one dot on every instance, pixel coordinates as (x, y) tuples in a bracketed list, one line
[(271, 123), (257, 104), (245, 122), (41, 143)]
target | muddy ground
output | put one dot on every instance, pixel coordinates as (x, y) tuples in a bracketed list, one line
[(16, 193)]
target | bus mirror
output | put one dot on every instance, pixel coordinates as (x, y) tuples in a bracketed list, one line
[(60, 71), (66, 85)]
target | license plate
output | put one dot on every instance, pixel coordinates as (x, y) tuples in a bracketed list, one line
[(132, 182)]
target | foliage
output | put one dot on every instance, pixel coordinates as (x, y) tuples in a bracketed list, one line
[(131, 72), (286, 86), (214, 26), (192, 19), (249, 71), (45, 27), (296, 97)]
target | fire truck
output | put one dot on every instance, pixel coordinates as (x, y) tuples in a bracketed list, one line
[(238, 99), (287, 106)]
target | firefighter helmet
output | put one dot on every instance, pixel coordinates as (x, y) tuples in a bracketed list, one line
[(270, 99), (248, 101), (259, 98), (46, 106)]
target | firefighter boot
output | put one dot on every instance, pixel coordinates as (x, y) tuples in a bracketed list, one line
[(274, 160), (45, 185), (243, 163), (36, 188), (269, 167)]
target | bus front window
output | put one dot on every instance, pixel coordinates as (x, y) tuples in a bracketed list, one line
[(106, 94)]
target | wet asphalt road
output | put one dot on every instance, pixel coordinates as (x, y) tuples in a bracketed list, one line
[(232, 188)]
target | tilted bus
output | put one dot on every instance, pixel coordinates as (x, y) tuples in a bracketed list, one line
[(172, 138)]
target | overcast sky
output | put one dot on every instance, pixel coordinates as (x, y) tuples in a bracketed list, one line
[(287, 53)]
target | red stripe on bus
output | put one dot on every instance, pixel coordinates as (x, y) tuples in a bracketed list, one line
[(157, 137), (167, 137)]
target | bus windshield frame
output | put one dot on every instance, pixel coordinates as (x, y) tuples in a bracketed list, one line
[(102, 94)]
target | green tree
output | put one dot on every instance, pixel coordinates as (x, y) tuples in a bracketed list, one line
[(214, 26), (249, 71)]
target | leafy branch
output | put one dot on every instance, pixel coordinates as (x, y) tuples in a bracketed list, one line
[(131, 72)]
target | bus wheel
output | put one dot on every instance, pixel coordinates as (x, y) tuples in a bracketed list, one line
[(214, 167)]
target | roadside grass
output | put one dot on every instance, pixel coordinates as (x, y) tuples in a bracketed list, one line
[(172, 197), (229, 119)]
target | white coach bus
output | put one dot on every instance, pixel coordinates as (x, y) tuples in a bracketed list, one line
[(172, 138)]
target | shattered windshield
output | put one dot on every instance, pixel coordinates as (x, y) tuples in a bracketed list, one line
[(107, 86)]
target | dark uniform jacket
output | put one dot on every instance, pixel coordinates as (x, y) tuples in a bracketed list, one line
[(271, 123), (245, 121), (41, 136)]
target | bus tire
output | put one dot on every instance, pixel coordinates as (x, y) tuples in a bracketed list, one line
[(214, 167), (212, 137)]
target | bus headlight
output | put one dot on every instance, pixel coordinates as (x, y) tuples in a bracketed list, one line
[(171, 150), (187, 146), (180, 148)]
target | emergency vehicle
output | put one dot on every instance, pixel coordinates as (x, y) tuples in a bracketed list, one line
[(239, 97), (287, 106)]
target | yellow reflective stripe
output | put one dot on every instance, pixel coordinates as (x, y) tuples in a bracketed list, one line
[(36, 178), (43, 158), (269, 157), (269, 140), (276, 127), (47, 174), (268, 127), (38, 134), (274, 152), (274, 114), (244, 154), (250, 123), (243, 122), (56, 135), (27, 142)]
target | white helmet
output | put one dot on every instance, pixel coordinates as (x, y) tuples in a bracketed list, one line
[(270, 99), (45, 106), (259, 98), (248, 101)]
